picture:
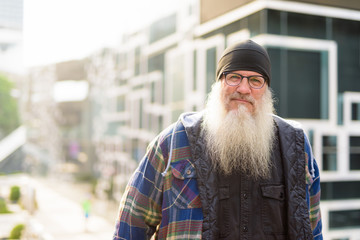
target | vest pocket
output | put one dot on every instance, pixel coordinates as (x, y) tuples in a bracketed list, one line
[(224, 212), (273, 212)]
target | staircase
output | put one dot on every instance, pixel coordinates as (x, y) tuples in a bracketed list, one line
[(12, 142)]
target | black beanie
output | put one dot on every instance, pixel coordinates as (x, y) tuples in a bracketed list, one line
[(246, 55)]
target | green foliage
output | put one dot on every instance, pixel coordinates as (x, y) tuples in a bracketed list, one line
[(16, 232), (3, 207), (15, 193), (9, 116)]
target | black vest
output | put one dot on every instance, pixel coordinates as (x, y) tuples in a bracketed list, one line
[(251, 209), (290, 193)]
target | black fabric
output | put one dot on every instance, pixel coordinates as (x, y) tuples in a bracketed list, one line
[(291, 144), (293, 152), (206, 179), (251, 209), (246, 55)]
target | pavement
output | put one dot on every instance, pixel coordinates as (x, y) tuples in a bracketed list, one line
[(59, 214)]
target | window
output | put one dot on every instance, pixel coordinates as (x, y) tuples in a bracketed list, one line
[(344, 219), (346, 34), (137, 61), (163, 28), (156, 62), (194, 71), (120, 103), (340, 190), (299, 83), (355, 111), (355, 153), (177, 78), (298, 25), (329, 153), (210, 68)]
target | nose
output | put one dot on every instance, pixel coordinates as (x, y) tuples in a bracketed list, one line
[(244, 87)]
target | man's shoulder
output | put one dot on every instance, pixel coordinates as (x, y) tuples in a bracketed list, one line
[(288, 122), (185, 120)]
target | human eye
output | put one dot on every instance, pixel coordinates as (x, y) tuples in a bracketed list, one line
[(256, 81), (233, 77)]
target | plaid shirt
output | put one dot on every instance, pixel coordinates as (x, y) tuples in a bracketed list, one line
[(163, 202)]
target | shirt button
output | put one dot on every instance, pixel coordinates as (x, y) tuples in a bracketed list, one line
[(245, 229), (188, 172), (245, 196)]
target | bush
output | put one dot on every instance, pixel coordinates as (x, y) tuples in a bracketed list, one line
[(17, 231), (15, 193), (3, 207)]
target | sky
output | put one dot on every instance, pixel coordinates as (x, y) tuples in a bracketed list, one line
[(61, 30)]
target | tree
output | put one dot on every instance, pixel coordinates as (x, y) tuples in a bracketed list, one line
[(9, 115)]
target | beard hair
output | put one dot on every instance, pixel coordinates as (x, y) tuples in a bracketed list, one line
[(239, 140)]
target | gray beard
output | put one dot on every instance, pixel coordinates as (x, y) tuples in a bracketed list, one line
[(239, 140)]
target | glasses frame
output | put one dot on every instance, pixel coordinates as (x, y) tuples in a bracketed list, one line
[(242, 77)]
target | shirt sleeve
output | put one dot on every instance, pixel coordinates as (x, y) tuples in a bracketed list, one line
[(313, 191), (140, 207)]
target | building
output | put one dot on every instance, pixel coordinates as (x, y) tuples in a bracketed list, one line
[(11, 66), (11, 27), (169, 67)]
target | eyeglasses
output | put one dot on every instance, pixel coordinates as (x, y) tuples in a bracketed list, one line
[(234, 79)]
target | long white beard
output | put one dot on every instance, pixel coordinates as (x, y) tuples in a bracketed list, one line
[(239, 140)]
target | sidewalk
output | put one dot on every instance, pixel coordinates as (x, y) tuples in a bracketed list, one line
[(60, 217), (78, 192)]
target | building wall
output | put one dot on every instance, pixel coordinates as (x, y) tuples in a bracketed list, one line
[(11, 47)]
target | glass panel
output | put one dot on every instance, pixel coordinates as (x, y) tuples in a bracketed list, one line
[(152, 92), (177, 77), (254, 23), (339, 190), (194, 71), (274, 22), (277, 85), (156, 63), (344, 219), (120, 106), (355, 111), (210, 68), (141, 113), (298, 25), (346, 34), (299, 83), (304, 80), (354, 153), (329, 153), (112, 128), (135, 152), (163, 28), (137, 61)]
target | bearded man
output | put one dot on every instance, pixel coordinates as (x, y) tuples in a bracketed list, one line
[(232, 171)]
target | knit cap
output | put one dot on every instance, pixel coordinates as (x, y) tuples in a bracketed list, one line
[(246, 55)]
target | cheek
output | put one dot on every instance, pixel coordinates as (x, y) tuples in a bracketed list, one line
[(258, 94)]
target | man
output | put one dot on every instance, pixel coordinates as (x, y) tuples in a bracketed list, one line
[(233, 171)]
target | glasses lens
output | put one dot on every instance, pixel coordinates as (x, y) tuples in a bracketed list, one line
[(233, 79), (256, 81)]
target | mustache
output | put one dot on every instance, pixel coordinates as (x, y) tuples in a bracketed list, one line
[(237, 95)]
